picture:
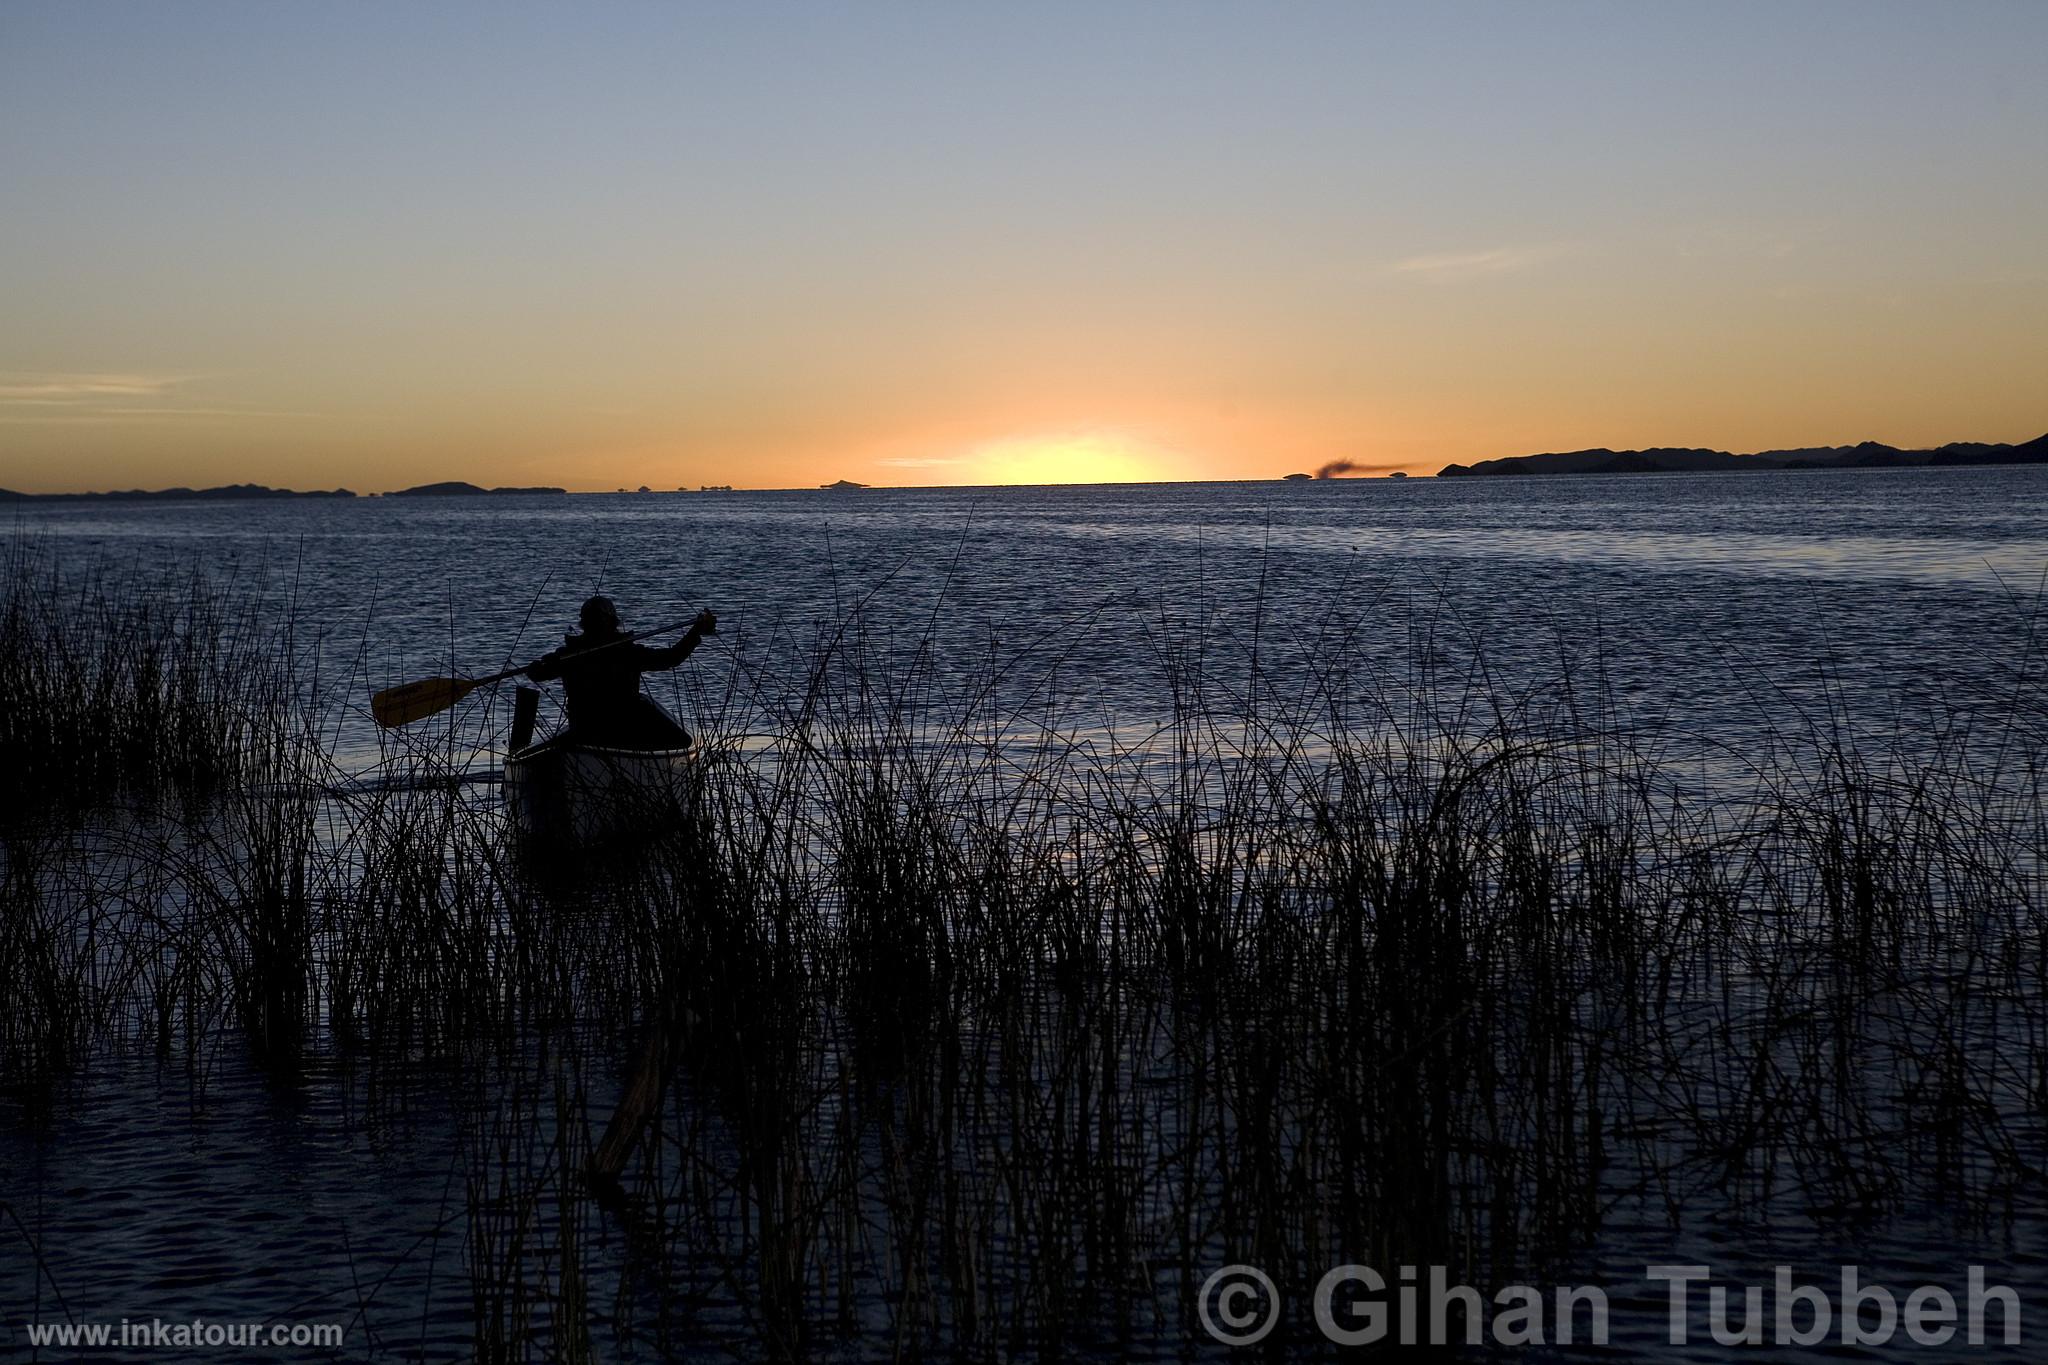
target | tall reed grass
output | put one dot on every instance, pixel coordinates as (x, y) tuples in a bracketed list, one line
[(117, 680), (984, 1033)]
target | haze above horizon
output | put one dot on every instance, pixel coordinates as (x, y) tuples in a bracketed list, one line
[(777, 246)]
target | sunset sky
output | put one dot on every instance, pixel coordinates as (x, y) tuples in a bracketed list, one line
[(375, 245)]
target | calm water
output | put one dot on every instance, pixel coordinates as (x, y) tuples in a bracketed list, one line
[(1719, 608)]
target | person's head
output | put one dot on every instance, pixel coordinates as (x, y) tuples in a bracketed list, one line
[(599, 614)]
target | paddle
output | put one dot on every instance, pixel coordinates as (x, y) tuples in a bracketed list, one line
[(396, 706)]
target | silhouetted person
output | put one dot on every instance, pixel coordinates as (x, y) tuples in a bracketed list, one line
[(600, 671)]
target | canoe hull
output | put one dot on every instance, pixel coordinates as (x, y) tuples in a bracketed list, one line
[(574, 794)]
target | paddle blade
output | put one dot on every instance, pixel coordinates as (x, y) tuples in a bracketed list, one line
[(396, 706)]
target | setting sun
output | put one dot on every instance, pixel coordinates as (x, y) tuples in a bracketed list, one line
[(1067, 459)]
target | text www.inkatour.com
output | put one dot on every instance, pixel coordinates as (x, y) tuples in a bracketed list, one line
[(156, 1332)]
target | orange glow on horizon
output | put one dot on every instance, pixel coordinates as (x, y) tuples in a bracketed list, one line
[(1068, 459)]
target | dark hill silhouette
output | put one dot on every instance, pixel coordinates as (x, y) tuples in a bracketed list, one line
[(455, 488), (227, 492), (1685, 460)]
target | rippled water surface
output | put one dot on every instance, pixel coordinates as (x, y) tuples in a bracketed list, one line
[(1724, 598)]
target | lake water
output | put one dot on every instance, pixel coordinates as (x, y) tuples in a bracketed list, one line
[(1719, 613), (1719, 606)]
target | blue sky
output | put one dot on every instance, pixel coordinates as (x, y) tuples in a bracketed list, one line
[(672, 244)]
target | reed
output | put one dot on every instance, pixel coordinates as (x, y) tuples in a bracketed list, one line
[(985, 1032), (115, 680)]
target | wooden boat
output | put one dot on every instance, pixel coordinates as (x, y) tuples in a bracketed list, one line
[(563, 793)]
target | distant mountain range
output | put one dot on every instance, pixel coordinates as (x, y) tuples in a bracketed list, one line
[(244, 491), (228, 492), (1687, 460), (1656, 460)]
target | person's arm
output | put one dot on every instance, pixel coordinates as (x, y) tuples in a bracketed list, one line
[(651, 658), (547, 667)]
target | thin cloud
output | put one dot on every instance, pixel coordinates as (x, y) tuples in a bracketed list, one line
[(22, 388), (1466, 265), (78, 415), (79, 398), (1772, 240)]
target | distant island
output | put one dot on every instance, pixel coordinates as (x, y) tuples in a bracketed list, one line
[(1655, 460), (225, 493), (1687, 460), (248, 491), (1337, 469), (455, 488)]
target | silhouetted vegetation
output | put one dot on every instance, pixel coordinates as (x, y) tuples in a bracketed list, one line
[(114, 681), (988, 1033)]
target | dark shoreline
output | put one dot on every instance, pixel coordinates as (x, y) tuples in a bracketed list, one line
[(1599, 460), (1697, 460), (256, 492), (234, 492)]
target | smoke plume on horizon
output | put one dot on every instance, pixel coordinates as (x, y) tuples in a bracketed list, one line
[(1338, 468)]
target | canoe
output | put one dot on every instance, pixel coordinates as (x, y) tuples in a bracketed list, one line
[(582, 794)]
